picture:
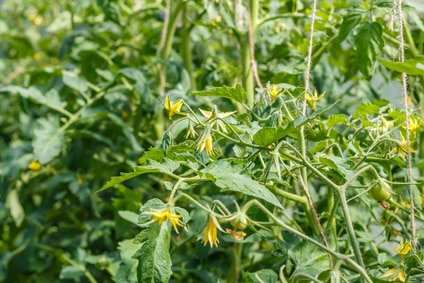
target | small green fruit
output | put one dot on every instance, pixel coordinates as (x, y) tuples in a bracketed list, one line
[(240, 222), (380, 192)]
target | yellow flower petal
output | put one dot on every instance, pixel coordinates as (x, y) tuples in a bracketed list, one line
[(404, 248), (34, 165), (395, 274), (162, 216), (173, 109), (210, 234)]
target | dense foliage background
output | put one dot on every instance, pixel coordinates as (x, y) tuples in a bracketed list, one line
[(83, 88)]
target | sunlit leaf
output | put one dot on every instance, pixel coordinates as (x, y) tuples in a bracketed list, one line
[(229, 177), (236, 93), (74, 81), (48, 139), (410, 67), (167, 166)]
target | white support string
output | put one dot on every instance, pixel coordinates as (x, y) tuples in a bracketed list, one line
[(408, 136)]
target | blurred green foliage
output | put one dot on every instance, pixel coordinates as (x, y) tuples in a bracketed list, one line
[(82, 87)]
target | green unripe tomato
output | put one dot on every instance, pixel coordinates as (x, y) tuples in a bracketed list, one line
[(240, 222), (380, 192)]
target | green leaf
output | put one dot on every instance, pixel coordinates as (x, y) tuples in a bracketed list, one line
[(50, 99), (366, 108), (410, 67), (268, 135), (236, 93), (336, 119), (140, 84), (167, 166), (127, 270), (74, 81), (71, 272), (309, 260), (129, 216), (48, 139), (154, 259), (16, 210), (126, 131), (302, 120), (229, 177), (338, 164), (261, 276), (350, 21), (369, 43)]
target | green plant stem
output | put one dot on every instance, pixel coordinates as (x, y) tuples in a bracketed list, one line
[(310, 211), (81, 267), (410, 40), (173, 9), (236, 254), (247, 74), (186, 47), (246, 59), (349, 227), (74, 117), (348, 261), (332, 207), (296, 198)]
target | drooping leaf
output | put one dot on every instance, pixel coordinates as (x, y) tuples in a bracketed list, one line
[(236, 93), (369, 43), (264, 275), (50, 99), (48, 139), (350, 21), (166, 166), (229, 177), (410, 67), (154, 259)]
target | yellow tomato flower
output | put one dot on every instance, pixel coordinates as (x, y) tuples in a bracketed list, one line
[(34, 165), (402, 148), (210, 234), (273, 91), (215, 117), (395, 274), (414, 125), (173, 109), (385, 125), (36, 56), (162, 216), (404, 248), (312, 99), (205, 142)]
